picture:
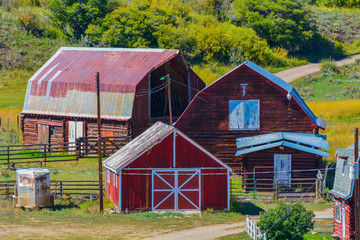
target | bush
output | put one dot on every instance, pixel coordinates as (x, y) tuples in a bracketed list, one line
[(286, 222), (30, 21)]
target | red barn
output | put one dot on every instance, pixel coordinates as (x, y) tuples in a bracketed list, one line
[(60, 101), (342, 192), (164, 170), (243, 107)]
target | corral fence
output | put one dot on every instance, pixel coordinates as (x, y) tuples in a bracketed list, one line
[(322, 225), (58, 188), (243, 187), (59, 152)]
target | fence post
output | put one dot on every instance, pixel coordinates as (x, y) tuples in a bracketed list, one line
[(255, 186), (18, 125), (77, 148), (316, 189), (8, 156), (45, 154), (276, 190), (254, 230), (61, 189)]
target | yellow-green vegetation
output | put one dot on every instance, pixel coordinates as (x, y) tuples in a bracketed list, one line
[(82, 221)]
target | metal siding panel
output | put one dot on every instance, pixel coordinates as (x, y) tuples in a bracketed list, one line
[(121, 71)]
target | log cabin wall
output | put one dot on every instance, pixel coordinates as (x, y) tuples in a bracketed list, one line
[(206, 120), (60, 126), (348, 207)]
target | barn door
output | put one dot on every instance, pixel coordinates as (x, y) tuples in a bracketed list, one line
[(176, 190), (43, 134), (75, 131), (282, 169)]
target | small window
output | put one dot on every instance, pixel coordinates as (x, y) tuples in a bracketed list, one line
[(114, 178), (244, 114), (344, 167), (337, 213), (108, 176), (52, 130)]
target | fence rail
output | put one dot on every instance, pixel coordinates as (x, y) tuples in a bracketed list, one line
[(58, 188), (59, 152)]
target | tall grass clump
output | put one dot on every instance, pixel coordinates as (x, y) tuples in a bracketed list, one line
[(342, 111)]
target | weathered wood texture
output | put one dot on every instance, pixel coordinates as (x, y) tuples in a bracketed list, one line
[(206, 120), (349, 219), (30, 132)]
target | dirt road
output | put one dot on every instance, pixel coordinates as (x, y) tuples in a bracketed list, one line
[(301, 71), (215, 231), (203, 233)]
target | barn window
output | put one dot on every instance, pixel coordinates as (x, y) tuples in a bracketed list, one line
[(108, 176), (337, 213), (244, 114), (344, 167), (114, 179)]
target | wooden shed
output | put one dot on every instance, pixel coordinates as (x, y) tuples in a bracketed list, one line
[(342, 192), (60, 101), (247, 102), (164, 170)]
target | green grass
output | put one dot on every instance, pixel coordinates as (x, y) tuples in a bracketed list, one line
[(241, 236), (318, 236), (82, 221)]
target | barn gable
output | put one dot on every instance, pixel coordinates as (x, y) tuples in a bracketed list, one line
[(166, 143), (68, 77)]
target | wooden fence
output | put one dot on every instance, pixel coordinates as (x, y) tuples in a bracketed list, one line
[(58, 188), (59, 152)]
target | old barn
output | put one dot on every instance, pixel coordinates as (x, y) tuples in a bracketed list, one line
[(164, 170), (60, 101), (249, 102), (342, 192)]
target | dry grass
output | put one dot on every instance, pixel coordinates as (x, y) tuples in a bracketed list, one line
[(337, 112), (9, 117)]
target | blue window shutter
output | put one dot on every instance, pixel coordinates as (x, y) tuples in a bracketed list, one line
[(236, 115), (252, 114)]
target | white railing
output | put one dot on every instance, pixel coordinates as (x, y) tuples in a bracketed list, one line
[(252, 229)]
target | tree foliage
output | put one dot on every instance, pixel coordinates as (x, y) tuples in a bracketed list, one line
[(283, 23), (286, 222), (73, 17)]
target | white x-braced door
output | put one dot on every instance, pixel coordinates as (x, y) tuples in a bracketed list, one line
[(176, 190)]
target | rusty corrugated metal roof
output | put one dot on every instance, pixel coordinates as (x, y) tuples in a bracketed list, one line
[(65, 85)]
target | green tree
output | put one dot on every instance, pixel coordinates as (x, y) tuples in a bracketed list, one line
[(131, 27), (286, 221), (282, 23), (73, 17)]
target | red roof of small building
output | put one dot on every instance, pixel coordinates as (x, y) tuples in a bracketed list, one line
[(65, 84)]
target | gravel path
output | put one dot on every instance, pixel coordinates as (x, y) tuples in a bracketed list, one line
[(301, 71)]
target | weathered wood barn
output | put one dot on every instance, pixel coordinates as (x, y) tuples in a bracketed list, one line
[(164, 170), (60, 101), (249, 102), (342, 192)]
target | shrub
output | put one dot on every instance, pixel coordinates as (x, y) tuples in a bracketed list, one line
[(30, 21), (286, 221), (329, 66)]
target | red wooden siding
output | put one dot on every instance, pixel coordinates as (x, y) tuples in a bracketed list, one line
[(206, 120), (191, 156), (159, 156), (136, 189), (349, 219), (214, 189), (112, 187)]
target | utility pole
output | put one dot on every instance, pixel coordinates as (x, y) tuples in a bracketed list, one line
[(99, 142), (169, 98), (356, 186)]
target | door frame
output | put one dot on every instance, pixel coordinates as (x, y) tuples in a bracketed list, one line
[(176, 190), (275, 170)]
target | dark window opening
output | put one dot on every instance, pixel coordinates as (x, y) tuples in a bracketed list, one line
[(159, 92)]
